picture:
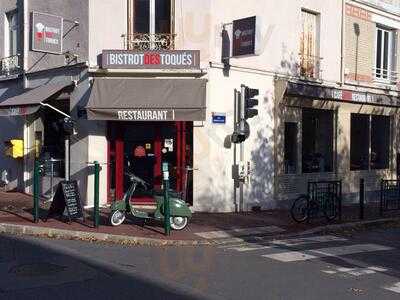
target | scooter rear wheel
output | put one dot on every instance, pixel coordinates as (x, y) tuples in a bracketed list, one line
[(117, 218), (178, 223)]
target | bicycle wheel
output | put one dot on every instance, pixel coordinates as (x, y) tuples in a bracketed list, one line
[(331, 207), (299, 209)]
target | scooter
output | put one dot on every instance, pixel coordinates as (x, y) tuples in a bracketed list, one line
[(179, 210)]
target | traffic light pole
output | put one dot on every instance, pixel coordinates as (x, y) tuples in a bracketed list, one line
[(235, 122), (241, 154)]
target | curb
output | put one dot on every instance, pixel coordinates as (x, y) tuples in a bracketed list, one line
[(94, 236), (142, 241)]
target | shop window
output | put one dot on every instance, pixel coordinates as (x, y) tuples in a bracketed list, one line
[(385, 54), (359, 142), (290, 153), (380, 142), (317, 140)]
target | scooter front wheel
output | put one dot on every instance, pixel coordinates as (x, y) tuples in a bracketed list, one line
[(117, 218), (178, 223)]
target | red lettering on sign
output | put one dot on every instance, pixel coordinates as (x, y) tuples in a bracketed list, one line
[(49, 34), (152, 59), (347, 96)]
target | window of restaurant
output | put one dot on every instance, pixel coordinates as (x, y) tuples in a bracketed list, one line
[(290, 152), (369, 142), (359, 142), (380, 141), (317, 140)]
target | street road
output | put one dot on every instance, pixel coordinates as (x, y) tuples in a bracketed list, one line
[(364, 266)]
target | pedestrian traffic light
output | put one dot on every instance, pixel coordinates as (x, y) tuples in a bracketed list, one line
[(249, 102)]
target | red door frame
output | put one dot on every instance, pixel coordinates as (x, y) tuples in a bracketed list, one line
[(119, 157)]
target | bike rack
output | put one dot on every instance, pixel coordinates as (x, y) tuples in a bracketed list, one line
[(318, 190)]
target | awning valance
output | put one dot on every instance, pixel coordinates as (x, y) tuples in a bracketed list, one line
[(131, 99), (29, 101)]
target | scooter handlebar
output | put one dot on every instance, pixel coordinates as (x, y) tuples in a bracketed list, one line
[(133, 177)]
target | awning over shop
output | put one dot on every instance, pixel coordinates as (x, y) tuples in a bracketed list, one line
[(150, 99), (30, 101), (320, 92)]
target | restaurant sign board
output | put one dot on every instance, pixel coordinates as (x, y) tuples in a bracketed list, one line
[(47, 33), (171, 59), (329, 93), (244, 36)]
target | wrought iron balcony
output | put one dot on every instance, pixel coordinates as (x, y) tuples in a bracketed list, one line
[(310, 66), (10, 65), (146, 41)]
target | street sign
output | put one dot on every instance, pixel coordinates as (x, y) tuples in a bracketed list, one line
[(218, 118)]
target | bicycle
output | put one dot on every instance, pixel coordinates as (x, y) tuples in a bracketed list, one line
[(304, 208)]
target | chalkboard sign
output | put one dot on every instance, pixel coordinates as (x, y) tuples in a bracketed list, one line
[(66, 201)]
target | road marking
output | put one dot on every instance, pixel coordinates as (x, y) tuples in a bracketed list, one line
[(250, 248), (292, 256), (239, 232), (309, 240), (351, 249), (394, 288)]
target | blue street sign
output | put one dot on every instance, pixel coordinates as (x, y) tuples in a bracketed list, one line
[(219, 118)]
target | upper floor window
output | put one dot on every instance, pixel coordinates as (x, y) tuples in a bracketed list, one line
[(309, 45), (150, 26), (10, 63), (11, 33), (385, 55)]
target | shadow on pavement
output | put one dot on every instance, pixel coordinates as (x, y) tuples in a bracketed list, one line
[(31, 270)]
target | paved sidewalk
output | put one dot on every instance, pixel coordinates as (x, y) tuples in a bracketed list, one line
[(16, 208)]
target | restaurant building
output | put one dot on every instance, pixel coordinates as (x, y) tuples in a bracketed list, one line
[(148, 81)]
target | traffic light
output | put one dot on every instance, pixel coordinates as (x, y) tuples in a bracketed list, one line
[(249, 102), (68, 126)]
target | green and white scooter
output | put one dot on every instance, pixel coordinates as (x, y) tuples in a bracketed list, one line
[(179, 210)]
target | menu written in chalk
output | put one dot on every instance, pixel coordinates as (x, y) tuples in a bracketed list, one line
[(67, 201)]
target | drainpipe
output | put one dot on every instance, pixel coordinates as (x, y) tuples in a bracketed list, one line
[(342, 34)]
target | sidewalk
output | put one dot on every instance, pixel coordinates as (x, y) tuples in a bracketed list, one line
[(15, 209)]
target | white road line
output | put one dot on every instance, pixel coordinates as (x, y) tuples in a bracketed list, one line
[(356, 271), (239, 232), (250, 248), (394, 288), (309, 240), (351, 249), (292, 256)]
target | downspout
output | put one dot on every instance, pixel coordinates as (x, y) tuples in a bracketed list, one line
[(342, 38)]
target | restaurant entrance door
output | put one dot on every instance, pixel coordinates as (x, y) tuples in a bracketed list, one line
[(140, 148)]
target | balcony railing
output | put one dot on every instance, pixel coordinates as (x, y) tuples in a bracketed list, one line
[(384, 76), (310, 66), (10, 65), (146, 41)]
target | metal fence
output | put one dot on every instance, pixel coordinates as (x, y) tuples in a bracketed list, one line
[(322, 193), (390, 195)]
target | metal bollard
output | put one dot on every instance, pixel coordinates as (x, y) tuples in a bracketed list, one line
[(167, 225), (36, 178), (362, 198), (96, 213)]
